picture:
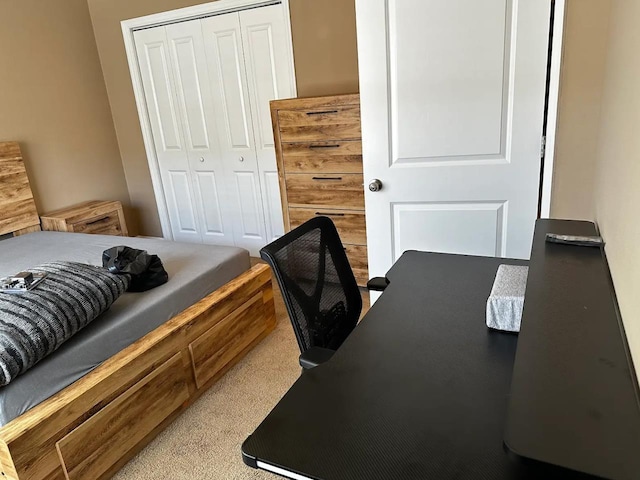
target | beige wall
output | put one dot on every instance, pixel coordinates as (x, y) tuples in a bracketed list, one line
[(53, 101), (597, 167), (617, 185), (324, 46), (582, 78), (324, 50)]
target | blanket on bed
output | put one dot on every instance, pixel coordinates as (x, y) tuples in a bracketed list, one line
[(35, 323)]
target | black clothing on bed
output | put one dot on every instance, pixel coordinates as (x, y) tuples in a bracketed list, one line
[(146, 270)]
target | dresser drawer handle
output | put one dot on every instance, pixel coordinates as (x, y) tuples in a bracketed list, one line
[(324, 146), (325, 214), (97, 220), (339, 179), (322, 113)]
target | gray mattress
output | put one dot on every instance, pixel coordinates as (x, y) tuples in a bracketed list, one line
[(194, 271)]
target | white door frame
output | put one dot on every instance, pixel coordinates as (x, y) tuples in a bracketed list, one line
[(552, 107), (157, 19)]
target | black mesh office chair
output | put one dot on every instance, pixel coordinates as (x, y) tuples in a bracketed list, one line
[(318, 287)]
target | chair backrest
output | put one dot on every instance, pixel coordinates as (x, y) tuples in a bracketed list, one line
[(317, 283)]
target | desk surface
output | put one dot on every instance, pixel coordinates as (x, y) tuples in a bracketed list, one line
[(419, 389), (573, 396)]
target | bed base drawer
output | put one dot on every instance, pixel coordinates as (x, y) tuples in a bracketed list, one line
[(219, 345), (89, 450)]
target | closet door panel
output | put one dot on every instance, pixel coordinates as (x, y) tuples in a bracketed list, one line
[(266, 50), (258, 43), (180, 198), (212, 201), (228, 80), (209, 199), (161, 99), (249, 203), (231, 87), (267, 57), (168, 135), (189, 90)]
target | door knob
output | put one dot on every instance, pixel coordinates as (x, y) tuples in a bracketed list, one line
[(241, 159), (202, 159), (375, 185)]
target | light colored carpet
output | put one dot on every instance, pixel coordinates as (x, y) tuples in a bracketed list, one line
[(204, 441)]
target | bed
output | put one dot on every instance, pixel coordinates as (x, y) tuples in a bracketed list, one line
[(86, 409)]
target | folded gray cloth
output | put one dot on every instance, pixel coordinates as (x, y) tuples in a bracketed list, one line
[(35, 323), (504, 306)]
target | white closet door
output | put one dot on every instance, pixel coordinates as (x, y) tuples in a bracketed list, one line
[(267, 58), (166, 125), (223, 43), (212, 202)]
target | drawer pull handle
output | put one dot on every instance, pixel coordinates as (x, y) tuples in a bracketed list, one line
[(323, 112), (324, 146), (98, 220), (330, 214), (339, 179)]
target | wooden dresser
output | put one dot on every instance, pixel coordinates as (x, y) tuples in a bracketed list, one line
[(319, 153), (98, 217)]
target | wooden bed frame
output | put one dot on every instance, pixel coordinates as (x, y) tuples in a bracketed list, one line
[(92, 428)]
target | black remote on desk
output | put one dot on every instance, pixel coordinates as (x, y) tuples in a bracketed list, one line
[(580, 241)]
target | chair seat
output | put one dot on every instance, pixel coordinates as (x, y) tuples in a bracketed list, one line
[(315, 356)]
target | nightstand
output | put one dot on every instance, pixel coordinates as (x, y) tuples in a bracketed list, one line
[(98, 217)]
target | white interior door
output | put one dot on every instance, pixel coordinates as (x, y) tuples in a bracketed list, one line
[(267, 55), (228, 80), (209, 190), (452, 98), (166, 124)]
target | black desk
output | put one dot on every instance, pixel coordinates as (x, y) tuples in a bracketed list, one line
[(419, 389), (573, 399)]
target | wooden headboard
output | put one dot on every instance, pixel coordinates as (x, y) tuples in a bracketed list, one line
[(18, 214)]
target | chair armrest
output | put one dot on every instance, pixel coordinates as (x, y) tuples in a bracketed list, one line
[(377, 284), (315, 356)]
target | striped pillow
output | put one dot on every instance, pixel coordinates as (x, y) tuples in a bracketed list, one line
[(35, 323)]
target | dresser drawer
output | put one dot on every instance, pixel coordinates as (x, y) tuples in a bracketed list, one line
[(107, 224), (325, 157), (314, 117), (357, 255), (343, 191), (350, 224), (318, 124)]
